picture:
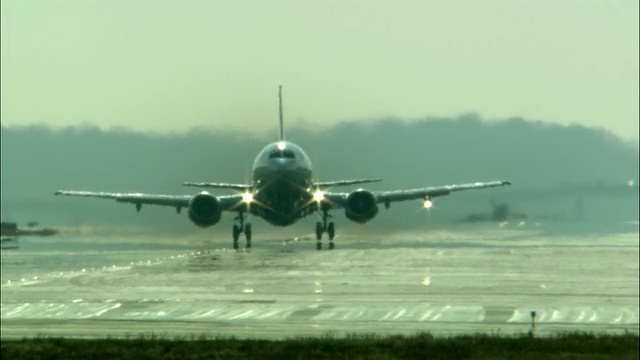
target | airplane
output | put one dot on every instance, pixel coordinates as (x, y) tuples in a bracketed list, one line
[(283, 190)]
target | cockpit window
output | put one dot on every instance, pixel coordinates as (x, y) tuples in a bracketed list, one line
[(282, 154)]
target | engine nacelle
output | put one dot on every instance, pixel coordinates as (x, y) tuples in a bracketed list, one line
[(204, 209), (361, 206)]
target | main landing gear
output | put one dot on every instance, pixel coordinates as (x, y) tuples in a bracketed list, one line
[(239, 229), (322, 227)]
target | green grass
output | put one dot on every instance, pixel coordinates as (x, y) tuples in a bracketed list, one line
[(421, 346)]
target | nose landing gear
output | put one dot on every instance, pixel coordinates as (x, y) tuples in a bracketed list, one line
[(239, 229), (322, 227)]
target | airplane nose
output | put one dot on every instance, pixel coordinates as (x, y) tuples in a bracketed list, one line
[(283, 164)]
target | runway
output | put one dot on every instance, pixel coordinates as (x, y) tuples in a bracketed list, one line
[(473, 279)]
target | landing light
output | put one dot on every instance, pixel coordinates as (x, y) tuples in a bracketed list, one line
[(247, 197), (427, 203), (318, 195)]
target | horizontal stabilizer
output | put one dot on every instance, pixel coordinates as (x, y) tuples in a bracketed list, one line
[(218, 185), (323, 184)]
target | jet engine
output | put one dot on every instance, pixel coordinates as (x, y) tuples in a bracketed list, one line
[(361, 206), (204, 209)]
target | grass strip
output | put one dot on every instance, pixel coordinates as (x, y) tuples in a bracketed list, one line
[(420, 346)]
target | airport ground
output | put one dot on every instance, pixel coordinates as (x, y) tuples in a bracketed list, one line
[(445, 282)]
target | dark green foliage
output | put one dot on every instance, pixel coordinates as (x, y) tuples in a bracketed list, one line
[(421, 346)]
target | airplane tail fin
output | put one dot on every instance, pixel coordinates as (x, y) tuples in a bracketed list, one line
[(281, 121)]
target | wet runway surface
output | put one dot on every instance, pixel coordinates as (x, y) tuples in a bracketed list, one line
[(468, 280)]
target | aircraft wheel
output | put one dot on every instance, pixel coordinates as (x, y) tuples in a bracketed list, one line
[(247, 234), (332, 245), (236, 236), (319, 230), (319, 245), (331, 231)]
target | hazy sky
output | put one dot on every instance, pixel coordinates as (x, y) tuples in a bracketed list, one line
[(171, 65)]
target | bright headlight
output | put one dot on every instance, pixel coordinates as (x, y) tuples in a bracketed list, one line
[(427, 203), (318, 195)]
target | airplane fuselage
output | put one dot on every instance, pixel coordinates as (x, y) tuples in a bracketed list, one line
[(282, 180)]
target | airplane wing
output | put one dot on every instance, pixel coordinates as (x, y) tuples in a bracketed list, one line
[(322, 184), (218, 185), (227, 202), (317, 184), (338, 199)]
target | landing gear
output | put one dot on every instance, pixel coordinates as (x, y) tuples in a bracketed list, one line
[(236, 235), (331, 231), (322, 227), (247, 235), (239, 229), (319, 231)]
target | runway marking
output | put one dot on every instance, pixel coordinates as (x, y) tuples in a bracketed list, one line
[(439, 314), (102, 312), (577, 315), (400, 313), (426, 315), (83, 308)]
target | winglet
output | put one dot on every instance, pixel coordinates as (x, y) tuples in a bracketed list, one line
[(281, 122)]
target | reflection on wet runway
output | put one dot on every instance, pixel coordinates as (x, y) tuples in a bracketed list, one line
[(443, 282)]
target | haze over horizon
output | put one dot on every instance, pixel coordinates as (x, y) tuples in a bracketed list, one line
[(172, 66), (560, 173)]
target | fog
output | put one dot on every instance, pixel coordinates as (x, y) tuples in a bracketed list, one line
[(559, 173)]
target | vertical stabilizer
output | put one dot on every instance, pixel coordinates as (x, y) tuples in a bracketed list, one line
[(281, 122)]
